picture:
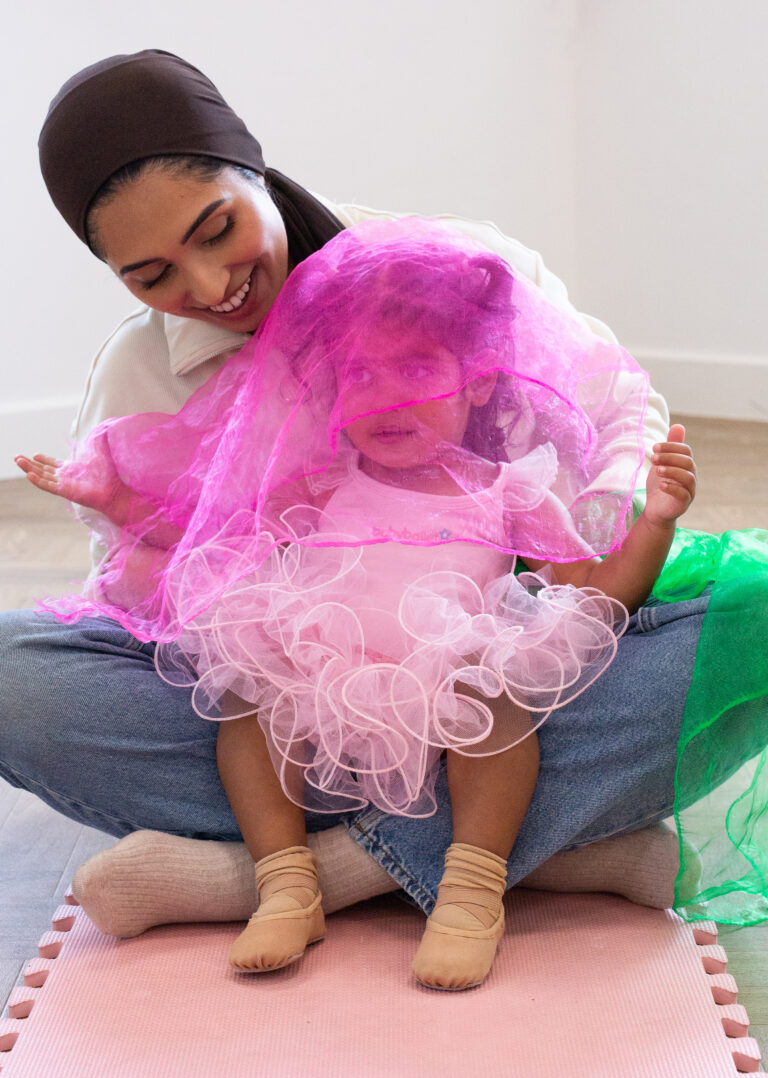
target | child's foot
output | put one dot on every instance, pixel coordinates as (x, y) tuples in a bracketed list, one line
[(463, 931), (289, 917)]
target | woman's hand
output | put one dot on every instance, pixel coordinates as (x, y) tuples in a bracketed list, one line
[(97, 487), (671, 484)]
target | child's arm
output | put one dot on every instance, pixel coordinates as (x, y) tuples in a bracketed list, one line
[(629, 573), (98, 487)]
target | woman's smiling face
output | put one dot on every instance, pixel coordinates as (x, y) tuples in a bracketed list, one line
[(214, 250)]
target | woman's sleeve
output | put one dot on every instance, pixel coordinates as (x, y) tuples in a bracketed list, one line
[(151, 363), (146, 365)]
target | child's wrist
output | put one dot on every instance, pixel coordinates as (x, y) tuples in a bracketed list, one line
[(663, 527)]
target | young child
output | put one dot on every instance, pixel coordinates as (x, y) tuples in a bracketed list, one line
[(324, 541)]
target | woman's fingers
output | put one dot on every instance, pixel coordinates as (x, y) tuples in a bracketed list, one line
[(41, 471), (50, 486), (49, 462), (29, 467), (37, 463)]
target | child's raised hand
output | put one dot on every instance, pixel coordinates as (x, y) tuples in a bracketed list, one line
[(671, 483)]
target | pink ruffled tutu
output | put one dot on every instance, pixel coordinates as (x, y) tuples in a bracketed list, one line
[(361, 660)]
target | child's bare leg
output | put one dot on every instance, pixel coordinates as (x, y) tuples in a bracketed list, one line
[(489, 797), (290, 914)]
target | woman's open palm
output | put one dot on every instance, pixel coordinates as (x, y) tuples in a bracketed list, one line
[(96, 487)]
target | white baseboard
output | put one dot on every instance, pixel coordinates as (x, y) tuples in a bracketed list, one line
[(717, 386), (34, 426)]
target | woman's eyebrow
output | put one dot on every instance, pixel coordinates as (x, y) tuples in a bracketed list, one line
[(201, 217), (209, 209)]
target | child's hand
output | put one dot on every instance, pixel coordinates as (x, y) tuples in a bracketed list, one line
[(94, 488), (671, 484)]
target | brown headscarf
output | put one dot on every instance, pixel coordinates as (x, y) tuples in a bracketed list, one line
[(151, 104)]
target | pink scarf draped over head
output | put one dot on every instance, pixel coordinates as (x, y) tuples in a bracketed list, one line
[(234, 558)]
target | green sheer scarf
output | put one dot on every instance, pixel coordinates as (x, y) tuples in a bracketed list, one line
[(723, 829)]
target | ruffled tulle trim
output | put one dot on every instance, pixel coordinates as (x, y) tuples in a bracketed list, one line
[(347, 729)]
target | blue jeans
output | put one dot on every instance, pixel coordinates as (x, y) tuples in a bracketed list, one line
[(90, 728)]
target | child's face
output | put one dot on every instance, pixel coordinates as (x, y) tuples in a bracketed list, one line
[(380, 377)]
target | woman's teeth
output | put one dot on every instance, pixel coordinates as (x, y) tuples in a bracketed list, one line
[(233, 302)]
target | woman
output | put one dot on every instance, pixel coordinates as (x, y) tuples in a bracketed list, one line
[(158, 176)]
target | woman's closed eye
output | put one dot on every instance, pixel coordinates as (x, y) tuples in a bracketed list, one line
[(146, 285), (226, 228)]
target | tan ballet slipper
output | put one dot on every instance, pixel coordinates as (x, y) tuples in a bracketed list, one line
[(289, 917), (463, 931)]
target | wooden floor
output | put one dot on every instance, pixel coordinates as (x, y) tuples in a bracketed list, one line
[(42, 550)]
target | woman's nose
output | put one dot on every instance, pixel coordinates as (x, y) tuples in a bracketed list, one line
[(207, 285)]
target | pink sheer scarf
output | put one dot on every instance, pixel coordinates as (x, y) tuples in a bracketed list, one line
[(326, 534)]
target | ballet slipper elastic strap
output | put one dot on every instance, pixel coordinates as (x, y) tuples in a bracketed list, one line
[(462, 934), (283, 926), (292, 867)]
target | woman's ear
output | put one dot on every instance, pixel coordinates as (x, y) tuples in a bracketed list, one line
[(478, 391)]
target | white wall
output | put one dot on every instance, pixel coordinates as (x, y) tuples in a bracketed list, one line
[(423, 105), (670, 174), (616, 138)]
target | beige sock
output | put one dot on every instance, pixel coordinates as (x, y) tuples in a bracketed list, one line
[(150, 878), (641, 866), (346, 873)]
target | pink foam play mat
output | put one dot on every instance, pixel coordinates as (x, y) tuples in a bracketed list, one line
[(584, 986)]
